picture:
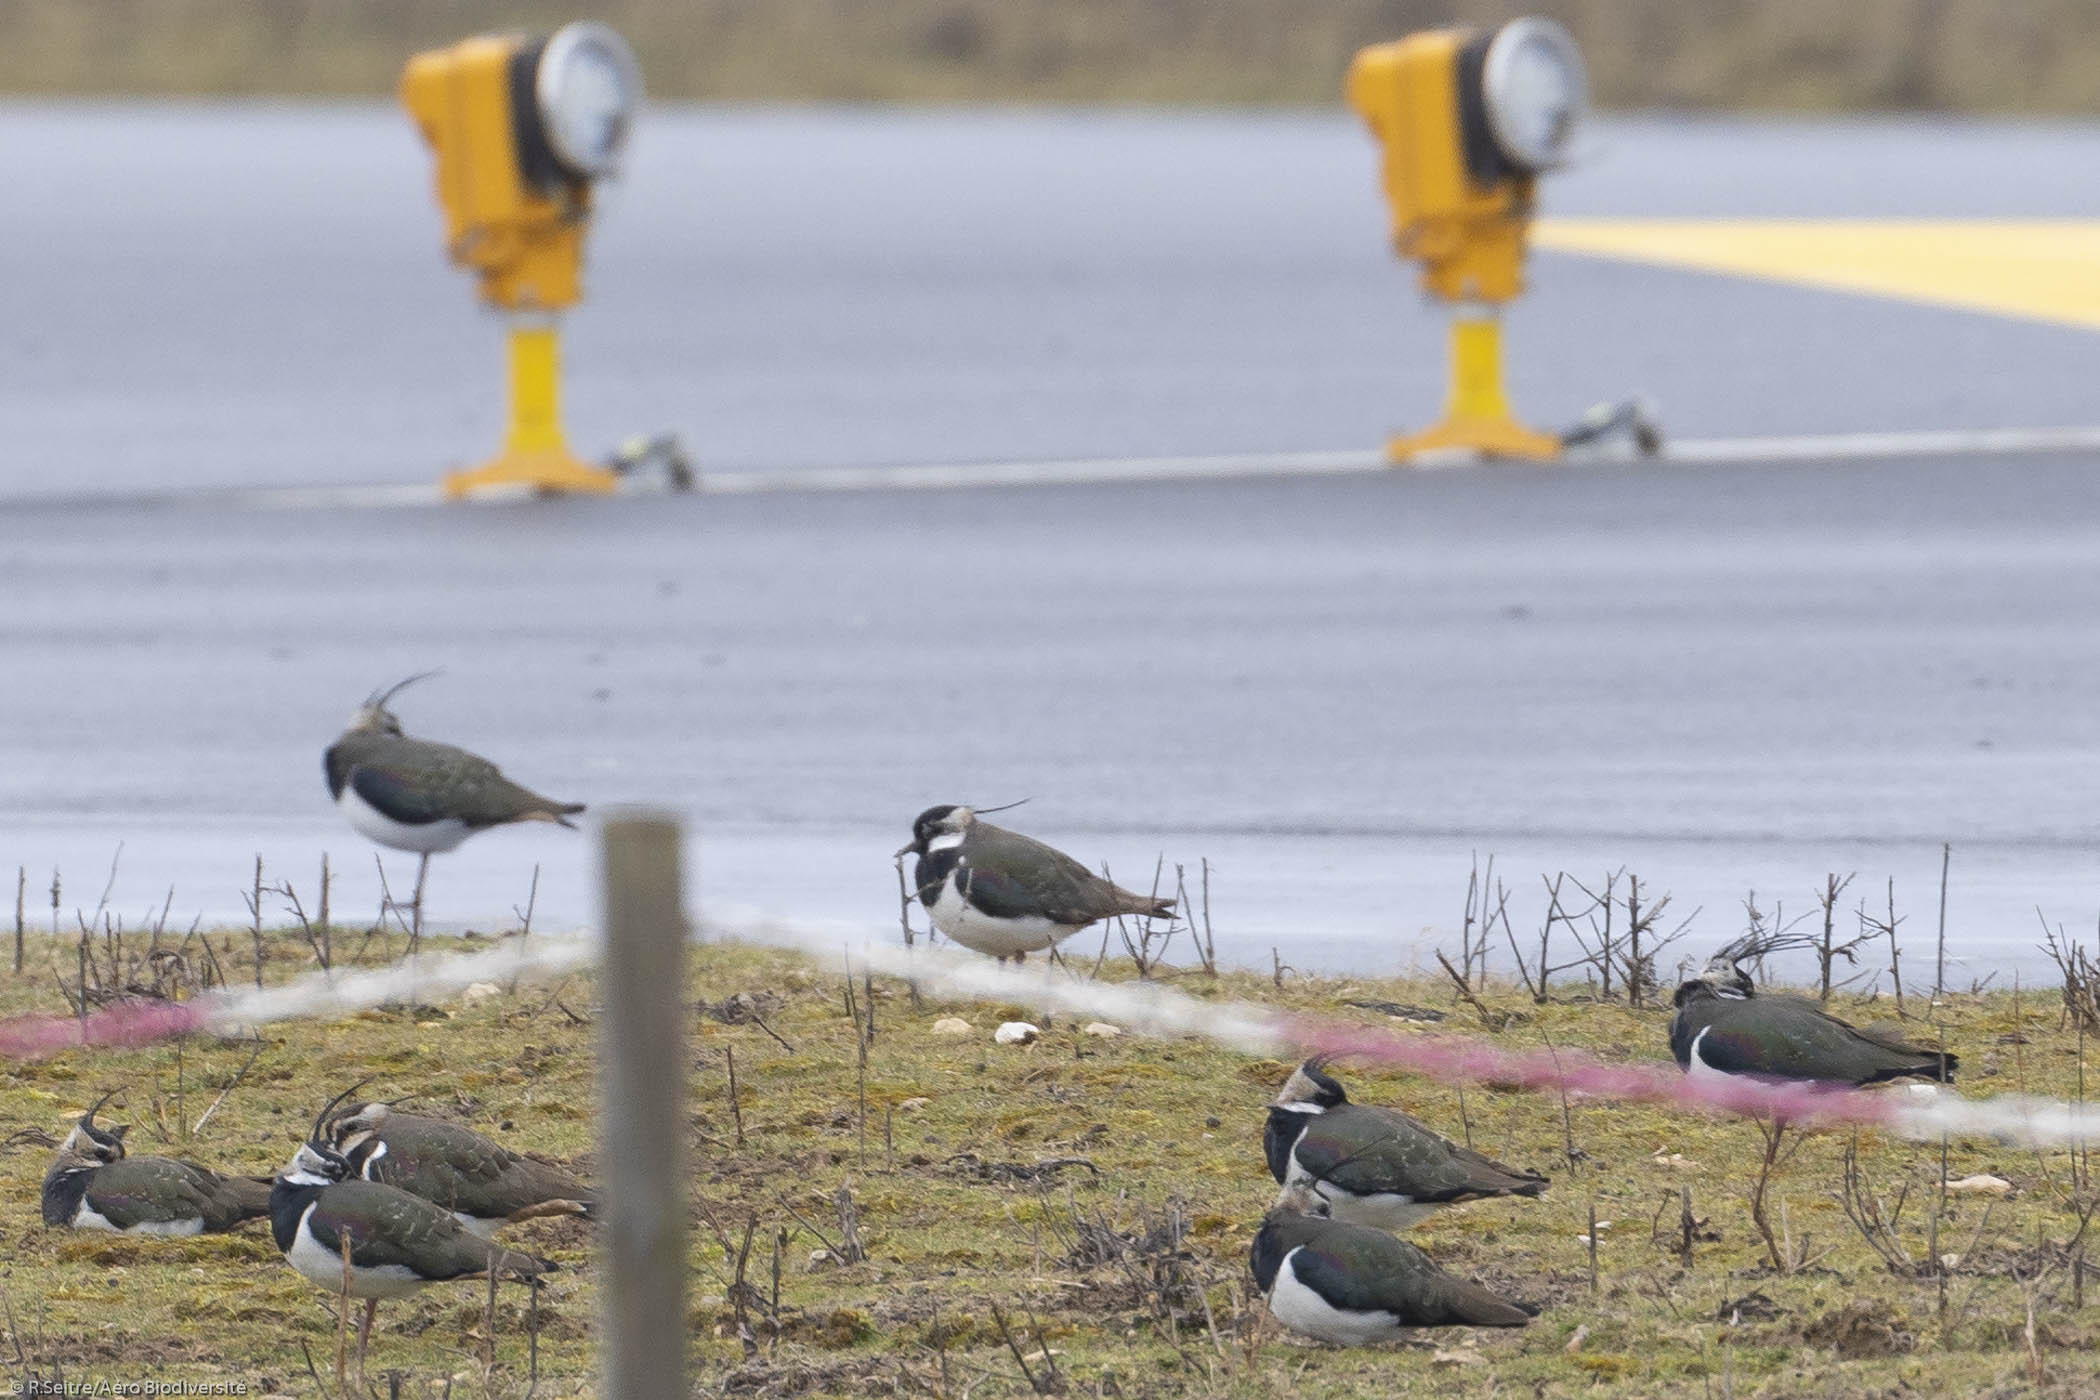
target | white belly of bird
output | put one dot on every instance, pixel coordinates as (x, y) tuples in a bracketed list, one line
[(1383, 1210), (1302, 1310), (429, 838), (88, 1218), (1001, 938), (323, 1268), (1698, 1070)]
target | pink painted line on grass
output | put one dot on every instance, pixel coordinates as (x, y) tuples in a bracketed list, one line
[(127, 1023), (1457, 1058), (1446, 1057)]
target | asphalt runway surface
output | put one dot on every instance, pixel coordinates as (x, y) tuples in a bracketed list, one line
[(1338, 691), (255, 294), (1341, 692)]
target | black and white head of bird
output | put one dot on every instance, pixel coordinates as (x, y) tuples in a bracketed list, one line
[(938, 829), (943, 828), (1723, 977), (374, 717), (1310, 1089), (317, 1163), (349, 1131), (93, 1146)]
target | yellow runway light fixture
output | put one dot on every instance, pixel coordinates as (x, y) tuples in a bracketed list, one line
[(1467, 120), (523, 129)]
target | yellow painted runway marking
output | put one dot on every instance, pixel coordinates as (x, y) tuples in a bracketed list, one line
[(2043, 269)]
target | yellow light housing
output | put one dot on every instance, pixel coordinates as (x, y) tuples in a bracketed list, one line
[(1466, 120), (521, 129)]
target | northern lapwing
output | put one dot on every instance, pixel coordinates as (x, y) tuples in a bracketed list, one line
[(1353, 1285), (1375, 1166), (483, 1183), (417, 795), (94, 1184), (1002, 893), (1725, 1027), (398, 1242)]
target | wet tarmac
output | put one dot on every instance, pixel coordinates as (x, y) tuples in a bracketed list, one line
[(1341, 692)]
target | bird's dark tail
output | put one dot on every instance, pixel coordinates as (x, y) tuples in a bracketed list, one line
[(251, 1194), (1932, 1065), (1473, 1306)]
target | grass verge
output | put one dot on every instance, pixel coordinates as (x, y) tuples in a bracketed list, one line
[(1066, 1217)]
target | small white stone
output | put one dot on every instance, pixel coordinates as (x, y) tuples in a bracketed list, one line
[(480, 991), (1017, 1033), (821, 1258), (951, 1025), (1101, 1028), (1983, 1185), (909, 1104)]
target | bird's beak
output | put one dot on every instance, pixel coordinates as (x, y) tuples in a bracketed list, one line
[(904, 850)]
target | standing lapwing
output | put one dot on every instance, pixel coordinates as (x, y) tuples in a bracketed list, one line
[(1006, 894), (416, 795), (1724, 1027), (1374, 1166), (94, 1184), (1351, 1285), (398, 1243), (483, 1183)]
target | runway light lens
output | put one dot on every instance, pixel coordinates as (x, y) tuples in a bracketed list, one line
[(588, 86), (1536, 92)]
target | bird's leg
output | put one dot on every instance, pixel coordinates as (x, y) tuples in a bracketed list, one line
[(364, 1336), (488, 1328), (1049, 992), (415, 907), (1772, 1133), (342, 1319)]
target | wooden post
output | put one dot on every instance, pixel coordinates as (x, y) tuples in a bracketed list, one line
[(641, 1051)]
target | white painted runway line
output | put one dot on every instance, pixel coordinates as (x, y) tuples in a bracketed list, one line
[(1689, 452), (1077, 472), (1864, 446)]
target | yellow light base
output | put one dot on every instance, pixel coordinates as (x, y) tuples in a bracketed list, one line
[(1478, 417), (1490, 437), (544, 471), (535, 455)]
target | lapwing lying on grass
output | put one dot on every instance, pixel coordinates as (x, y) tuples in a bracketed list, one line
[(483, 1183), (1002, 893), (416, 795), (1725, 1027), (398, 1242), (1352, 1285), (1374, 1166), (94, 1184)]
